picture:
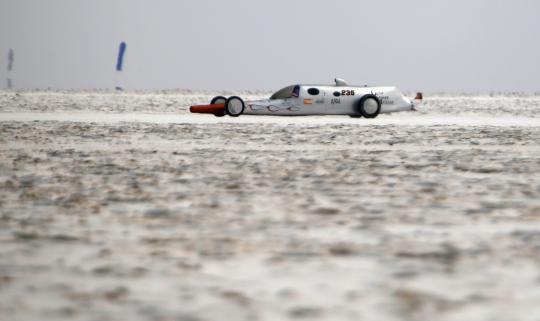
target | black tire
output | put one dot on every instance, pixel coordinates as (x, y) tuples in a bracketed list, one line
[(234, 106), (218, 100), (367, 108)]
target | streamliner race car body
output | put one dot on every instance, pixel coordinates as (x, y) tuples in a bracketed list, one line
[(302, 100)]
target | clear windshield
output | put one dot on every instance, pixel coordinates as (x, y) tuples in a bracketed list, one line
[(287, 92)]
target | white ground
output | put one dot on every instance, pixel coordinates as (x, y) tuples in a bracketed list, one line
[(123, 206)]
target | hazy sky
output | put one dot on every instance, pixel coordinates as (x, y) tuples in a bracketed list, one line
[(431, 45)]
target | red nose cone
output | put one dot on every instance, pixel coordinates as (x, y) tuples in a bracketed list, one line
[(208, 109)]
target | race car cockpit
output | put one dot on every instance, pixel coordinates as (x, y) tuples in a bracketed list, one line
[(287, 92)]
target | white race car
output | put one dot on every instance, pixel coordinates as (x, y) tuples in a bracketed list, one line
[(302, 100)]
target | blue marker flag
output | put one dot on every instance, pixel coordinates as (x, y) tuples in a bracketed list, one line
[(121, 52)]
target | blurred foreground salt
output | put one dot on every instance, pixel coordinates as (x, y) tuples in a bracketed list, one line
[(122, 206)]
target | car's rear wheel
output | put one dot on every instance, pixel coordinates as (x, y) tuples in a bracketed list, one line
[(216, 101), (369, 106), (234, 106)]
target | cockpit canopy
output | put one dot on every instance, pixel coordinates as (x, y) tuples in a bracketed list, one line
[(287, 92), (294, 90)]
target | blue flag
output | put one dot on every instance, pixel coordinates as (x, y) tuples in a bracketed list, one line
[(121, 53)]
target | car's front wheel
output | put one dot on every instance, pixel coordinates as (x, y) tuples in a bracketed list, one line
[(234, 106), (369, 106), (218, 100)]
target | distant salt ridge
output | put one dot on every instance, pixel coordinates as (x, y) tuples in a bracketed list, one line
[(141, 92)]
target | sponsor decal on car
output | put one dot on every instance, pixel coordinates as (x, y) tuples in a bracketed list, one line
[(385, 99), (308, 101)]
